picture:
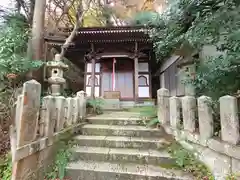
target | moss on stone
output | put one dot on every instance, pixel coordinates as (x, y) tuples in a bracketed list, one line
[(186, 161)]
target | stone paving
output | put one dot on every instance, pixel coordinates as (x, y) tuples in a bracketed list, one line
[(116, 146)]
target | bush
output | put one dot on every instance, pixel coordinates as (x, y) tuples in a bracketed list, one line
[(200, 23), (5, 167), (13, 67), (96, 105), (186, 160)]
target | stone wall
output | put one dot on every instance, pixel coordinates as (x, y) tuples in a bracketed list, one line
[(179, 117), (39, 124)]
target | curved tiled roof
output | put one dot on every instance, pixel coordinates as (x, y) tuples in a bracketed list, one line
[(103, 34)]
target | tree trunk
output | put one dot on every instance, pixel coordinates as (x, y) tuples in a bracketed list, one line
[(36, 43), (31, 11)]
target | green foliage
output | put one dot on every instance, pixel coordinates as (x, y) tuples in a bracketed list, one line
[(13, 66), (200, 23), (95, 17), (186, 161), (147, 112), (96, 104), (5, 167), (68, 93), (233, 176), (196, 22), (219, 75), (58, 168), (13, 46), (144, 18), (153, 122)]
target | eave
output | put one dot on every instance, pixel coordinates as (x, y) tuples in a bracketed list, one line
[(101, 35)]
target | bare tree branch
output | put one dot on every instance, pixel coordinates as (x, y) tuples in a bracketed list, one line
[(79, 17), (27, 6), (24, 7), (65, 12)]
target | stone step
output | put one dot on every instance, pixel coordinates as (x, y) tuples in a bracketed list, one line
[(118, 114), (116, 120), (113, 110), (122, 155), (113, 130), (111, 104), (121, 142), (93, 170)]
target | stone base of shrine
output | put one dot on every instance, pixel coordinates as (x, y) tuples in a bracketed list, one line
[(116, 104), (111, 104), (130, 104)]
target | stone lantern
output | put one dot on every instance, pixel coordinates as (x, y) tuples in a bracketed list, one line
[(56, 81)]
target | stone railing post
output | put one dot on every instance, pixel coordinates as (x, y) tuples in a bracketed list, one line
[(163, 105), (189, 113), (60, 103), (27, 123), (82, 104), (69, 111), (229, 119), (205, 117), (75, 110), (174, 107), (26, 127), (48, 103)]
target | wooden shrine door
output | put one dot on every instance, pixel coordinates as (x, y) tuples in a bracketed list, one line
[(123, 77)]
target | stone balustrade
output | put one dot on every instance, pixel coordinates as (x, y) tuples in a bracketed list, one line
[(195, 129), (39, 124)]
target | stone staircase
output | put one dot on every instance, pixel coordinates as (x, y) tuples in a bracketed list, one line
[(116, 146)]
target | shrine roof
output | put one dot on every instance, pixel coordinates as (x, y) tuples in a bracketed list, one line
[(118, 29), (102, 34)]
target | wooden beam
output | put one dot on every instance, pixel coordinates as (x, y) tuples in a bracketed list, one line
[(136, 72), (93, 74)]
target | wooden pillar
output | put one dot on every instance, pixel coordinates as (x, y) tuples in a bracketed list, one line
[(93, 75), (136, 72)]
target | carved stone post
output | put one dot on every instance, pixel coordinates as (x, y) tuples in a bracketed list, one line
[(189, 113), (163, 105), (82, 104), (56, 80), (26, 122), (174, 111), (229, 119), (205, 117)]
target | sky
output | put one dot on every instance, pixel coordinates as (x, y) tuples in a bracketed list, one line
[(6, 3)]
